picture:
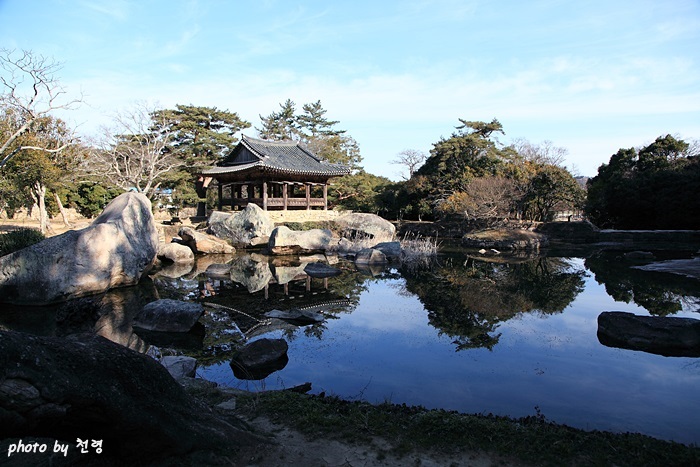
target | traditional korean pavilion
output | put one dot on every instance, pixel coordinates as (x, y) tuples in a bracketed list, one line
[(272, 174)]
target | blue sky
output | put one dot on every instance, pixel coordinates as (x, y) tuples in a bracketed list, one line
[(590, 76)]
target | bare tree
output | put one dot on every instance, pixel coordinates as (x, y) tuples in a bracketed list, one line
[(134, 153), (486, 199), (412, 159), (543, 153), (30, 91)]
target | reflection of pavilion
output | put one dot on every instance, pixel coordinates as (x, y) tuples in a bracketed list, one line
[(272, 284)]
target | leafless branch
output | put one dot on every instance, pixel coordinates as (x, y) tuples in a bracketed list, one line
[(31, 91)]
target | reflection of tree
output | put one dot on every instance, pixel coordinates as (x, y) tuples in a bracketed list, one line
[(468, 299), (660, 294)]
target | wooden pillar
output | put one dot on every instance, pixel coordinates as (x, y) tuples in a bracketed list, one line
[(284, 196), (221, 196), (264, 195), (325, 196), (308, 196), (251, 191), (238, 191)]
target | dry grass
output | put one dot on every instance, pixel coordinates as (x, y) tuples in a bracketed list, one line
[(418, 250)]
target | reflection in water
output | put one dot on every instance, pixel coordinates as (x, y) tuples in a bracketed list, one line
[(525, 329), (660, 294), (468, 299)]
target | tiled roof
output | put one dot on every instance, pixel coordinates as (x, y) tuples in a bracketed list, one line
[(281, 156)]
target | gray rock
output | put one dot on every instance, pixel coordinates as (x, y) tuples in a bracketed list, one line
[(260, 358), (296, 316), (321, 270), (249, 227), (370, 256), (284, 241), (667, 336), (365, 225), (55, 385), (392, 250), (175, 252), (204, 243), (179, 366), (116, 250), (168, 315)]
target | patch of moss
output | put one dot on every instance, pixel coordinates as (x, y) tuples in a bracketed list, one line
[(532, 439)]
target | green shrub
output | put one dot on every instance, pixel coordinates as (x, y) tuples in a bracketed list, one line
[(18, 239)]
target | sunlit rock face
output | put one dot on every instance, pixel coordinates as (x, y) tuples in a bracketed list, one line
[(284, 241), (115, 251), (368, 226), (249, 227)]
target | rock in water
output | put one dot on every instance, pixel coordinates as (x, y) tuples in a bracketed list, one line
[(260, 358), (168, 315), (321, 270), (175, 253), (661, 335), (370, 256), (92, 388), (115, 251)]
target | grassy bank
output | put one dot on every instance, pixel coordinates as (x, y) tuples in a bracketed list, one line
[(531, 440)]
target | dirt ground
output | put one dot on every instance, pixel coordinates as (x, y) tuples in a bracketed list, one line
[(290, 447)]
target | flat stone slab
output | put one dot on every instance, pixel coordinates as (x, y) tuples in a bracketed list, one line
[(661, 335), (168, 315), (682, 267), (321, 270), (295, 316)]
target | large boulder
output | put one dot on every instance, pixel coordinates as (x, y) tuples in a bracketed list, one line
[(668, 336), (366, 226), (200, 242), (116, 250), (249, 227), (91, 388), (167, 315), (284, 241)]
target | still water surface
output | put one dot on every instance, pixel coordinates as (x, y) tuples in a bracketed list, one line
[(512, 338)]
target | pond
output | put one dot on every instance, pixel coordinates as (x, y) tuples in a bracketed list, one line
[(514, 336), (476, 334)]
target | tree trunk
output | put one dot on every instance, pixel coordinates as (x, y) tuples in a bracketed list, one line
[(39, 194), (64, 214)]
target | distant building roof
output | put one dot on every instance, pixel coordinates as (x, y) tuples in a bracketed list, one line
[(290, 157)]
